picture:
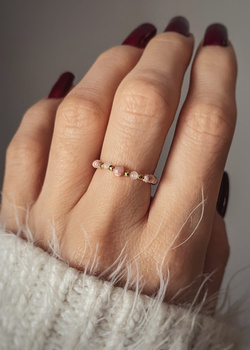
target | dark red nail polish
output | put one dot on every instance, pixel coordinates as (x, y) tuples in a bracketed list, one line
[(216, 35), (179, 25), (223, 195), (141, 36), (62, 86)]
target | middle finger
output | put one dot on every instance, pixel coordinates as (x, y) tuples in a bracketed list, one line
[(142, 113)]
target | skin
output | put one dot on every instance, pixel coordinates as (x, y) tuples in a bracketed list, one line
[(121, 112)]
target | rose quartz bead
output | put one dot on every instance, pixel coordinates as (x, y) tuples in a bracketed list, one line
[(106, 166), (133, 175), (119, 170), (97, 164)]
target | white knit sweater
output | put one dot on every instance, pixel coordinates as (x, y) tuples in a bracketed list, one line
[(45, 304)]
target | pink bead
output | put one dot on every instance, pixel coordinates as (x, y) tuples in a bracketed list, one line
[(106, 166), (150, 179), (155, 181), (146, 178), (133, 175), (96, 164), (119, 170)]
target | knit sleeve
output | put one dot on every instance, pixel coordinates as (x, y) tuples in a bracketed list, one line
[(45, 304)]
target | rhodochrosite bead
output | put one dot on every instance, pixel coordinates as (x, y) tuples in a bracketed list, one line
[(119, 170), (150, 179)]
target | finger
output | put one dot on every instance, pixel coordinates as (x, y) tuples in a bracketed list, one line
[(218, 247), (82, 119), (27, 154), (194, 169), (210, 274), (141, 116), (217, 257)]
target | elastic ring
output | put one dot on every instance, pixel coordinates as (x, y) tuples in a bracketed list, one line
[(119, 170)]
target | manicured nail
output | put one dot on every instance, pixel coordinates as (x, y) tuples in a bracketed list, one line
[(223, 195), (62, 86), (141, 36), (179, 25), (216, 35)]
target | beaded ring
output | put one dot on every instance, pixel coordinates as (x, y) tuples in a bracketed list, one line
[(120, 171)]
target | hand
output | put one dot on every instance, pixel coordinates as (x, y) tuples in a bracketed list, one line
[(121, 112)]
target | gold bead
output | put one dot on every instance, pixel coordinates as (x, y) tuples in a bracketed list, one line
[(126, 173), (111, 167), (102, 165), (140, 177)]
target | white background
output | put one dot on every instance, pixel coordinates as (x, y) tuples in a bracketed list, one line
[(42, 39)]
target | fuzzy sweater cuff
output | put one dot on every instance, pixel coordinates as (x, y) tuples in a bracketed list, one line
[(45, 304)]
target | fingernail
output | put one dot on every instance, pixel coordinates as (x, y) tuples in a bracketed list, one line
[(179, 25), (223, 195), (216, 35), (141, 36), (62, 86)]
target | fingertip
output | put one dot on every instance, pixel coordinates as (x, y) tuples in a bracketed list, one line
[(141, 36), (216, 35), (62, 86), (178, 24)]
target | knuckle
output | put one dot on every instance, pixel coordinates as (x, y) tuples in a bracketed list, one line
[(222, 63), (24, 149), (37, 109), (143, 100), (174, 42), (118, 57), (38, 116), (209, 122), (79, 112), (29, 114), (111, 53)]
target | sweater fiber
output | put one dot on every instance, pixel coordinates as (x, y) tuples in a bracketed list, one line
[(45, 304)]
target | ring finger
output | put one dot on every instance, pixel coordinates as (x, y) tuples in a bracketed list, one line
[(201, 143)]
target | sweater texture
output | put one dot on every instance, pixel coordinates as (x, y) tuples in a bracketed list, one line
[(45, 304)]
